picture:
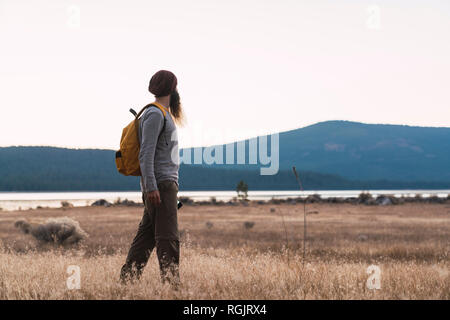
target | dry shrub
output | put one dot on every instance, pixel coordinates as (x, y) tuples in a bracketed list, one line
[(62, 230), (248, 224), (66, 204)]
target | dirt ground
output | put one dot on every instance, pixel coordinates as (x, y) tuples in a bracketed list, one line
[(409, 231)]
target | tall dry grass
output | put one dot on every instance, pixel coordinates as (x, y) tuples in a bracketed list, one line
[(410, 244), (218, 274)]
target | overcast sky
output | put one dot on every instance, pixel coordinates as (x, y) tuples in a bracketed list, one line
[(70, 70)]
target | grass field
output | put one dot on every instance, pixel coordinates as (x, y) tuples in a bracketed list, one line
[(222, 259)]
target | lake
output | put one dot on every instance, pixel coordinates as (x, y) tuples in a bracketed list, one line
[(31, 200)]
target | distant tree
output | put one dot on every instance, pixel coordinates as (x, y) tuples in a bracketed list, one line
[(57, 169), (242, 190)]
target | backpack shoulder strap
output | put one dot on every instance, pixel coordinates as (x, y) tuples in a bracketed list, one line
[(155, 104), (161, 108)]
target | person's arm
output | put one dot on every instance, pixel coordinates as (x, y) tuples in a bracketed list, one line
[(151, 128)]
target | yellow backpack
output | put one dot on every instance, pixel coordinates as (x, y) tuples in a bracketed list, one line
[(127, 158)]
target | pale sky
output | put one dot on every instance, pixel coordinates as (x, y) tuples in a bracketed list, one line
[(70, 70)]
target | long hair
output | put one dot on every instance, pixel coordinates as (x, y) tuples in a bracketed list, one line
[(175, 108)]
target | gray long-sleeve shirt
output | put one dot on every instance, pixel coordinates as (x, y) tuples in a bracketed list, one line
[(158, 158)]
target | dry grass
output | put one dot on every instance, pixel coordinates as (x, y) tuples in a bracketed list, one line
[(410, 243)]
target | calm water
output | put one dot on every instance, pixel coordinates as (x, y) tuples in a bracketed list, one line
[(27, 200)]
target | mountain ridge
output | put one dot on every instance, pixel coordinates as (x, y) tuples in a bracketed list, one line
[(366, 151), (335, 154)]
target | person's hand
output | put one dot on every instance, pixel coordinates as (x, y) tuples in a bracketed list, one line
[(153, 197)]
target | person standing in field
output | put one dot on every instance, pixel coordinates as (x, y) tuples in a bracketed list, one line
[(158, 159)]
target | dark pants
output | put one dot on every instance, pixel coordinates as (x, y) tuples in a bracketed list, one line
[(159, 226)]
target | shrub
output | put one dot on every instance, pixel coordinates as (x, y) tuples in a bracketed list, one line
[(66, 204), (62, 230), (364, 197), (242, 190), (248, 224), (314, 198)]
